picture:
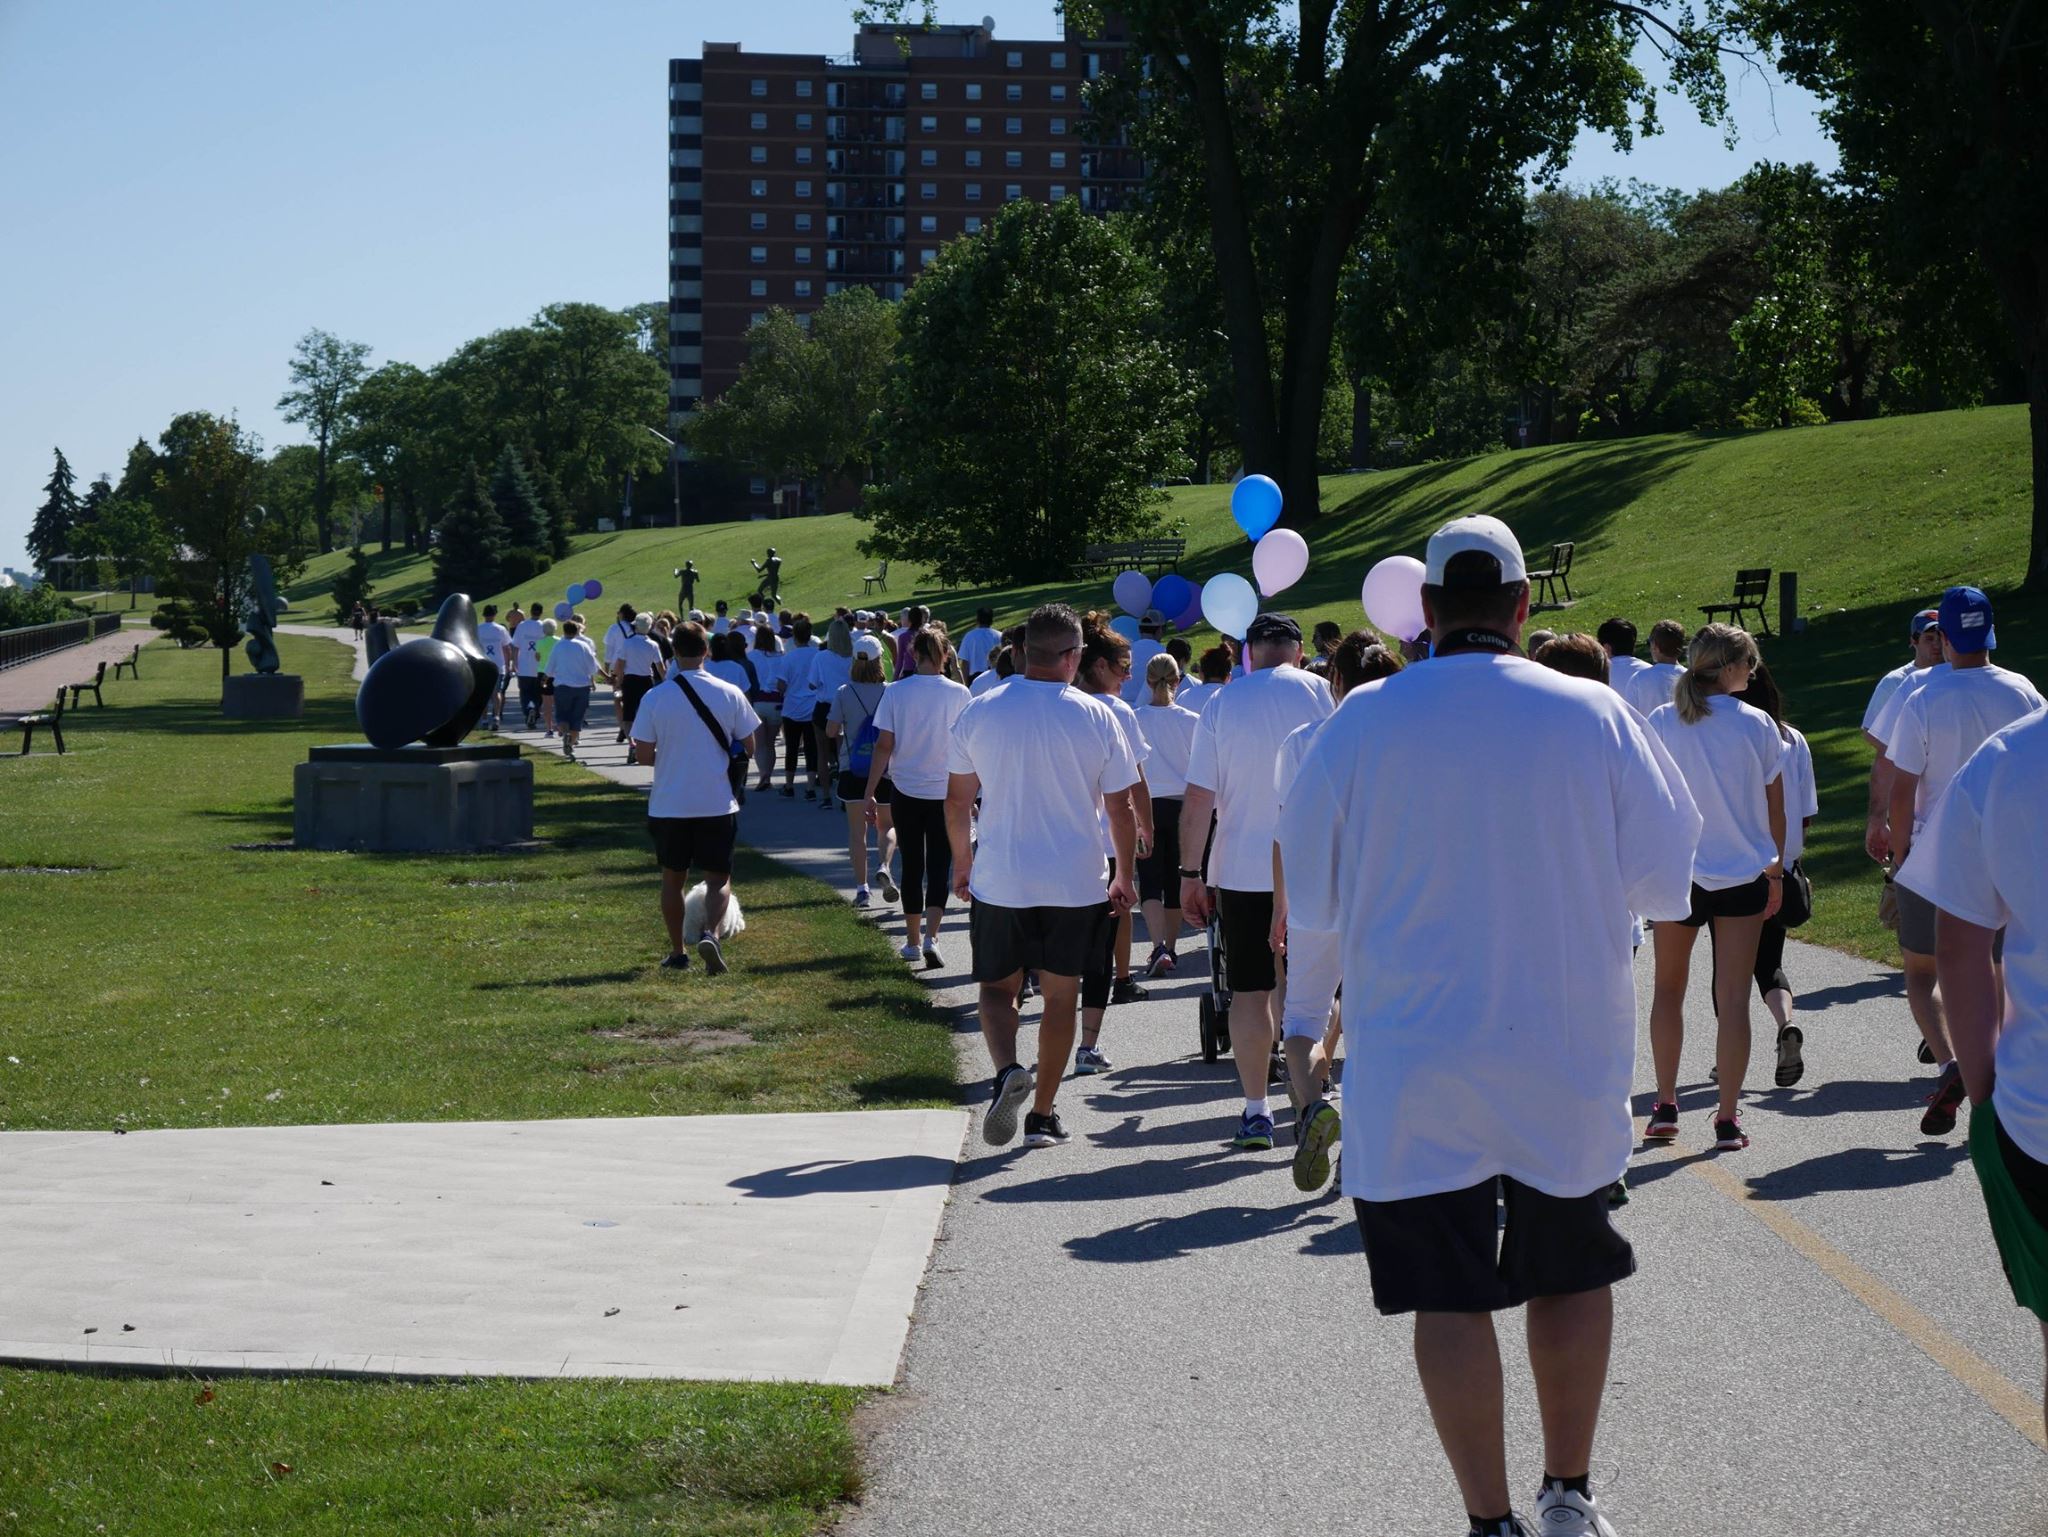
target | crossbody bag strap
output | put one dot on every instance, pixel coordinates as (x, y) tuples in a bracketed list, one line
[(725, 743)]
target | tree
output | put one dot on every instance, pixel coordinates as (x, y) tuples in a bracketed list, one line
[(325, 373), (469, 541), (519, 506), (553, 503), (127, 533), (1942, 108), (1285, 137), (1035, 407), (388, 424), (50, 534), (206, 485), (352, 586)]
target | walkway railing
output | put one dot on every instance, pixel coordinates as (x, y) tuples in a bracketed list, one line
[(32, 641)]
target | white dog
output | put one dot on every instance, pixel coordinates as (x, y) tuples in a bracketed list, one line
[(734, 922)]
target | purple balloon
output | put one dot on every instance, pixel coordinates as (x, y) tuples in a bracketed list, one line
[(1190, 616), (593, 589), (563, 611)]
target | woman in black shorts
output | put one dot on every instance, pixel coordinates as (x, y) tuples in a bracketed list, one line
[(846, 719), (1169, 731)]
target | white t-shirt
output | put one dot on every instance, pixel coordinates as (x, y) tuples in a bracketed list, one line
[(641, 656), (495, 640), (615, 639), (1170, 733), (1887, 722), (1728, 760), (525, 641), (920, 711), (1624, 670), (977, 646), (1127, 722), (720, 625), (1489, 1033), (1802, 793), (1236, 742), (1135, 690), (1980, 859), (689, 765), (573, 663), (986, 682), (1197, 695), (1045, 754), (1940, 725), (798, 694), (1293, 753), (830, 672), (729, 672), (1882, 694), (1650, 690)]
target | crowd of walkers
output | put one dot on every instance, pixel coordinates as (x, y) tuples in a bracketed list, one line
[(1350, 825)]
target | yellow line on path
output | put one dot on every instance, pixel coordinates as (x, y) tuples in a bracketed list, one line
[(2016, 1407)]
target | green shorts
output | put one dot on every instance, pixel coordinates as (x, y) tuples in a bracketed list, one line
[(2016, 1194)]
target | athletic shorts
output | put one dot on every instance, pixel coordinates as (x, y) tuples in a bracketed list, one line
[(2015, 1190), (1448, 1253), (1919, 924), (1061, 941), (1247, 921), (853, 788), (1745, 901), (572, 707), (703, 842), (1159, 871)]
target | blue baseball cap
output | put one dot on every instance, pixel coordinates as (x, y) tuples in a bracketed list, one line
[(1924, 621), (1966, 620)]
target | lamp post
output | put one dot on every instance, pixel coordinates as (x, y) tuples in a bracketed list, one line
[(675, 466)]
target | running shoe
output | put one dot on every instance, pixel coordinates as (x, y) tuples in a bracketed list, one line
[(1089, 1060), (1276, 1069), (1126, 990), (1926, 1053), (1791, 1063), (1043, 1130), (1617, 1193), (810, 792), (1729, 1136), (1562, 1512), (712, 956), (1013, 1086), (910, 952), (1161, 962), (862, 897), (933, 961), (680, 961), (1942, 1104), (1315, 1133), (1029, 989), (889, 891), (789, 792), (1663, 1123), (1254, 1132), (569, 753)]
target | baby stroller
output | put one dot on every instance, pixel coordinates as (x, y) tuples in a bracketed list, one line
[(1215, 1003)]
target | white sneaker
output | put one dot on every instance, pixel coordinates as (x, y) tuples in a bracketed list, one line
[(1563, 1513), (911, 953)]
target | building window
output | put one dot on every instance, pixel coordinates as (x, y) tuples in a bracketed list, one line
[(974, 125), (1014, 159), (757, 188), (758, 153), (928, 224), (974, 160), (803, 154), (803, 189), (1059, 93), (927, 190), (803, 88), (757, 88), (803, 256), (974, 192), (803, 223), (757, 288), (927, 256), (928, 157), (1015, 59), (1013, 125), (974, 93), (803, 288), (973, 224), (758, 121), (803, 122), (1093, 63), (929, 91), (1012, 192), (1058, 192), (1013, 93), (1059, 61), (1059, 126), (927, 125), (757, 221), (757, 485), (758, 255)]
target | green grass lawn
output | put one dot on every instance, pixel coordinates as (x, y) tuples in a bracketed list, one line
[(160, 975)]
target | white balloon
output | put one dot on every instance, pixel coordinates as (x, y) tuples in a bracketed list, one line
[(1279, 560), (1229, 603), (1392, 596)]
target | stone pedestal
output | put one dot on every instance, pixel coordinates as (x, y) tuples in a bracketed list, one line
[(263, 696), (413, 799)]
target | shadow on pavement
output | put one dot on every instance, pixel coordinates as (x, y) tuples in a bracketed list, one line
[(1848, 1096), (1145, 1179), (907, 1171), (1862, 1168), (1165, 1238), (1878, 985)]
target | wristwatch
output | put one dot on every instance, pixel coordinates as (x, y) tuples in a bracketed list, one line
[(1191, 875)]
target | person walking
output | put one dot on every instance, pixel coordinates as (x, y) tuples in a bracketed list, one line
[(543, 650), (830, 671), (1491, 1038), (1168, 728), (496, 643), (572, 667), (1733, 761), (1104, 669), (359, 620), (615, 637), (1231, 773), (913, 730), (638, 668), (1977, 859), (979, 644), (695, 731), (1652, 687), (526, 639), (850, 723), (767, 703), (799, 695), (1802, 806), (1617, 637), (1936, 729), (1151, 626), (1044, 759), (1214, 667)]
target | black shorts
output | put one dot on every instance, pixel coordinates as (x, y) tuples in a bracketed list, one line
[(1447, 1253), (853, 788), (705, 842), (1159, 871), (1247, 921), (1745, 901), (1063, 941)]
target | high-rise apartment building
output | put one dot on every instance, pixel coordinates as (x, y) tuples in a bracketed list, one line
[(792, 176)]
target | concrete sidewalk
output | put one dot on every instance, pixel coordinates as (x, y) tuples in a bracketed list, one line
[(33, 685)]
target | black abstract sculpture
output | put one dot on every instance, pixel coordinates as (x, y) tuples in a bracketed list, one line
[(261, 617), (432, 690)]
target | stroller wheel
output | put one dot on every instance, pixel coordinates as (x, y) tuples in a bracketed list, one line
[(1209, 1032)]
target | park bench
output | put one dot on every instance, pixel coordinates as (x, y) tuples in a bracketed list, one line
[(1544, 581), (879, 577), (53, 718), (1752, 587), (92, 686), (1131, 555), (132, 661)]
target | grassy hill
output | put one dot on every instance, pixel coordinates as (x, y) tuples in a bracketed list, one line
[(1876, 517)]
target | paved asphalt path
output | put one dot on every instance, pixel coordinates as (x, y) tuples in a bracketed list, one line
[(1145, 1331)]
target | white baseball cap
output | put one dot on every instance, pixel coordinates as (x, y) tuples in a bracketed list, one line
[(869, 646), (1475, 534)]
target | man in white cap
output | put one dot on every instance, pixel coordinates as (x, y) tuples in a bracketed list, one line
[(1492, 1038)]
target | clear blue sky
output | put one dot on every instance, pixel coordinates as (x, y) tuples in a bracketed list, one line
[(189, 187)]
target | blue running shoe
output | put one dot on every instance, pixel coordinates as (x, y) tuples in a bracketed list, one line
[(1254, 1133)]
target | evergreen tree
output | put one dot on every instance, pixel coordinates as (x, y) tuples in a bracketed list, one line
[(519, 505), (471, 540), (50, 534), (352, 586), (552, 501)]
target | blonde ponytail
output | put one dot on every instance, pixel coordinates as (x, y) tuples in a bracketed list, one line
[(1714, 647), (1161, 674)]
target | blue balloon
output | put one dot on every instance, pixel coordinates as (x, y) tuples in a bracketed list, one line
[(575, 593), (1230, 603), (1255, 503), (1190, 616), (1125, 625), (563, 610), (1171, 594)]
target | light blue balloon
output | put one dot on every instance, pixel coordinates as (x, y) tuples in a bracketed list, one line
[(1229, 603), (563, 610), (575, 593), (1125, 625), (1255, 503)]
